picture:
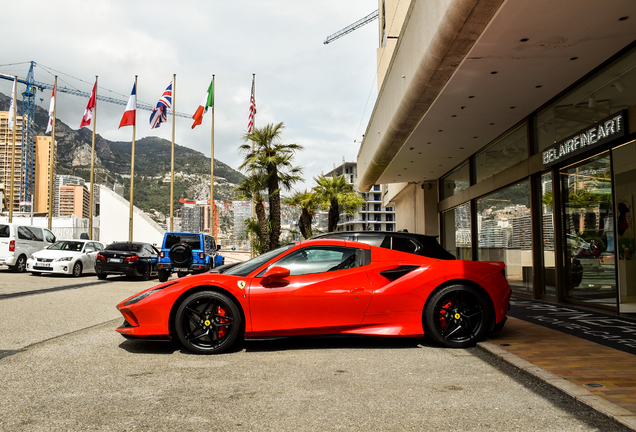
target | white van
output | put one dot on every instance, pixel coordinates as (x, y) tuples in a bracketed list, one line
[(18, 242)]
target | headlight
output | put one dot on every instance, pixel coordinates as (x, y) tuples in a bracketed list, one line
[(140, 297), (64, 259)]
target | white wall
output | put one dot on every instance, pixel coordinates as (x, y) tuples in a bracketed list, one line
[(114, 216)]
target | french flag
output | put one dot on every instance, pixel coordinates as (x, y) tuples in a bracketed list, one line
[(131, 109)]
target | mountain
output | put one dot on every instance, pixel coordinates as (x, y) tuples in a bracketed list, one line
[(152, 164)]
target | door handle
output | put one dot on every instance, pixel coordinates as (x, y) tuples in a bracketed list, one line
[(356, 290)]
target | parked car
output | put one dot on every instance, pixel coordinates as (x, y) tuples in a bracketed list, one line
[(19, 242), (133, 259), (186, 253), (418, 244), (72, 257), (324, 286)]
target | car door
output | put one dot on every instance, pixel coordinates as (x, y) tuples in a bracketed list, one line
[(90, 252), (327, 288)]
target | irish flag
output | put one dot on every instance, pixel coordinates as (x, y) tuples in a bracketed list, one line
[(128, 119), (208, 101)]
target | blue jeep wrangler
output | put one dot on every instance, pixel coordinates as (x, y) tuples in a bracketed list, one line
[(186, 253)]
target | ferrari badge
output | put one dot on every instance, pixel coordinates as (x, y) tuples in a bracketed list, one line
[(241, 284)]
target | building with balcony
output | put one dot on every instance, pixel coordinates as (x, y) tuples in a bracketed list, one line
[(373, 216)]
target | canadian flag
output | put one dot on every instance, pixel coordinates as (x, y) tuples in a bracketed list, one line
[(49, 126), (90, 108), (128, 119)]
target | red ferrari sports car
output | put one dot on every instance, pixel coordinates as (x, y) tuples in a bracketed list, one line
[(324, 287)]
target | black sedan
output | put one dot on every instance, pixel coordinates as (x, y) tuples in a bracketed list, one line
[(133, 259)]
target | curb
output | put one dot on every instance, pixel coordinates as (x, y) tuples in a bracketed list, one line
[(618, 414)]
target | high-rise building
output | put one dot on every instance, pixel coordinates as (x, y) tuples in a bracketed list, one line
[(73, 200), (372, 216), (6, 148), (42, 177)]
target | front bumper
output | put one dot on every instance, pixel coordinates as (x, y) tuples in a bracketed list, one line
[(60, 267)]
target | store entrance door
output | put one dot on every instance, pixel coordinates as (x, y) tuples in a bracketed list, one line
[(588, 221), (624, 165)]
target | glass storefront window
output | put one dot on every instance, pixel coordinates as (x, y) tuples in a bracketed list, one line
[(605, 93), (505, 232), (547, 235), (590, 266), (456, 181), (507, 151), (456, 226)]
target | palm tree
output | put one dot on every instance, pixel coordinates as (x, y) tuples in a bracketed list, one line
[(252, 188), (334, 194), (272, 160), (308, 203)]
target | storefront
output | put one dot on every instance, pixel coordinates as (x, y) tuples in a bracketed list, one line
[(553, 197)]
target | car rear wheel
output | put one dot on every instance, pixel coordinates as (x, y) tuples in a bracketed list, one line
[(456, 316), (163, 275), (145, 271), (77, 269), (20, 264), (101, 276), (208, 322)]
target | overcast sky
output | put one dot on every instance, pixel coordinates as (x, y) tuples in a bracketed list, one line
[(323, 93)]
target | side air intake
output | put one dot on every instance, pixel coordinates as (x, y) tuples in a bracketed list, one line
[(397, 272)]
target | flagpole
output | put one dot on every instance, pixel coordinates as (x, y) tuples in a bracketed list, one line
[(90, 208), (212, 168), (174, 96), (132, 170), (253, 127), (15, 126), (52, 159)]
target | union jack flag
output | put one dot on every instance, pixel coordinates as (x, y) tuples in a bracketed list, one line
[(160, 113), (250, 121)]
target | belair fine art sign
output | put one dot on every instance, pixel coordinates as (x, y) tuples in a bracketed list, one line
[(606, 130)]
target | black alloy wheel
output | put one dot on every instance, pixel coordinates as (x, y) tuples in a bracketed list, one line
[(208, 322), (77, 269), (456, 316), (180, 254), (20, 264)]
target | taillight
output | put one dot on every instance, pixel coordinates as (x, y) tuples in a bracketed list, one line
[(162, 254), (133, 258), (12, 246), (100, 257), (201, 255)]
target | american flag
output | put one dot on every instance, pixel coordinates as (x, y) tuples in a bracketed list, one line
[(160, 113), (250, 121)]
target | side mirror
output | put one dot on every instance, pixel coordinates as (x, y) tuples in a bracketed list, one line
[(273, 274)]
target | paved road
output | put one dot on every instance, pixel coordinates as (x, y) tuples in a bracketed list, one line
[(73, 372)]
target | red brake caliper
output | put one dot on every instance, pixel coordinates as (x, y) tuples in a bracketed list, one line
[(222, 321), (442, 315)]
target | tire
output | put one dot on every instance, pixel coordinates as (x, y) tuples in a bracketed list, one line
[(145, 273), (163, 275), (77, 269), (20, 265), (181, 274), (101, 276), (498, 327), (208, 322), (180, 254), (456, 316)]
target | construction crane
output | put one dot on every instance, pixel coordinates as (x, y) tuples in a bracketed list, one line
[(366, 20), (28, 126)]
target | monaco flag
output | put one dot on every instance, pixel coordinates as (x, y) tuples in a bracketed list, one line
[(207, 102), (90, 108), (49, 126), (128, 118)]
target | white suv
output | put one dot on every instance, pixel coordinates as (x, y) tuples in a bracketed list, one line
[(18, 242)]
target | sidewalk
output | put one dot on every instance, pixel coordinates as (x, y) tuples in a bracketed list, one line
[(573, 365)]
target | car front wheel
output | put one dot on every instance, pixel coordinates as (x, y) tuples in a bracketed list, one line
[(456, 316), (208, 322), (77, 269)]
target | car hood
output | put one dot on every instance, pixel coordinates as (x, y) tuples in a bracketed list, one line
[(46, 253)]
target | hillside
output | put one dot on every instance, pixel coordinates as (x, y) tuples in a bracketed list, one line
[(152, 164)]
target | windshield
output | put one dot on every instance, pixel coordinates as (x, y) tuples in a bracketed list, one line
[(249, 266), (73, 246)]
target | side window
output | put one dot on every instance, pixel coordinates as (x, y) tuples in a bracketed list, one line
[(37, 233), (370, 239), (48, 236), (99, 246), (320, 259), (25, 234), (90, 247), (404, 245)]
